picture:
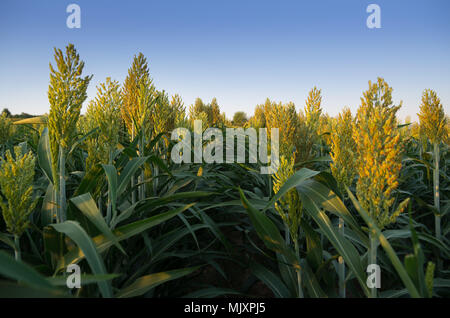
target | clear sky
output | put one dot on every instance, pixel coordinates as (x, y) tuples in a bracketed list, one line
[(240, 52)]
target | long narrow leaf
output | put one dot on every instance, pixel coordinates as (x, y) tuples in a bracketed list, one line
[(85, 243)]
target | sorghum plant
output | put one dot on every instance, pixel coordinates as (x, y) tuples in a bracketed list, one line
[(104, 112), (378, 158), (343, 151), (289, 206), (66, 94), (16, 179), (313, 108), (138, 74), (434, 126), (284, 117)]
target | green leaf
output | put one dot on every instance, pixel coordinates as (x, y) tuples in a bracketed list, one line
[(111, 175), (130, 169), (145, 283), (387, 247), (271, 280), (268, 232), (329, 201), (124, 232), (90, 181), (44, 155), (340, 243), (86, 204), (156, 160), (14, 290), (20, 271), (310, 281), (313, 245), (296, 179), (80, 140), (53, 243), (148, 203), (165, 241), (81, 238), (49, 206), (411, 266), (123, 215), (5, 239), (85, 279)]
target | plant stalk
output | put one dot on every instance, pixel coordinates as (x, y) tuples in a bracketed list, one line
[(109, 207), (437, 217), (341, 266), (133, 194), (373, 257), (62, 185), (299, 276), (17, 248), (142, 176)]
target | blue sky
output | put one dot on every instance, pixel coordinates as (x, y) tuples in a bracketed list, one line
[(240, 52)]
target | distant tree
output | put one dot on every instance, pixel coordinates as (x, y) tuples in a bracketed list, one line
[(239, 118), (6, 112), (23, 115)]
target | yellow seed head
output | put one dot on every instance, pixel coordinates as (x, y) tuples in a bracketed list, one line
[(378, 152), (289, 205), (433, 122), (16, 183), (343, 150)]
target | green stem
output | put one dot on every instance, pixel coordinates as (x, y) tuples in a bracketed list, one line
[(155, 172), (133, 194), (299, 276), (341, 266), (287, 235), (62, 185), (142, 176), (437, 218), (373, 257), (17, 248), (100, 203), (109, 208)]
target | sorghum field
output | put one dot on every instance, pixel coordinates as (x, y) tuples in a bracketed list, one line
[(99, 190)]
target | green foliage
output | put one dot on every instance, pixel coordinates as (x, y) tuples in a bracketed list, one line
[(16, 182), (103, 114), (289, 205), (209, 114), (313, 108), (209, 230), (239, 118), (343, 150), (5, 128)]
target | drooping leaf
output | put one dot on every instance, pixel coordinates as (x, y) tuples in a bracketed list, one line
[(81, 238), (87, 206), (145, 283)]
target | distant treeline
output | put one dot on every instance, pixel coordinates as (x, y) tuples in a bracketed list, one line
[(17, 116)]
